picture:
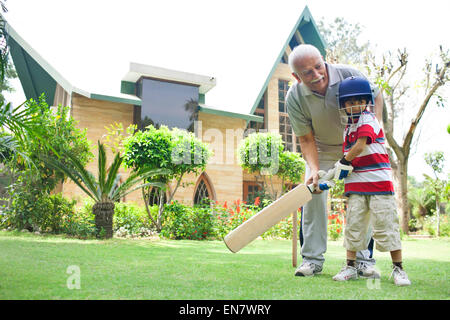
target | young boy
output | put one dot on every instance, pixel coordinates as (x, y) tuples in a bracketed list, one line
[(369, 186)]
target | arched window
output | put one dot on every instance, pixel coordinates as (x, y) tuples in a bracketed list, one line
[(154, 197), (203, 190)]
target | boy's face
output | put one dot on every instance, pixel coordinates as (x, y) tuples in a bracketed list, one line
[(355, 105)]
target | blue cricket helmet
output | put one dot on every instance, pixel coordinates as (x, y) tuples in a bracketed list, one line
[(352, 87)]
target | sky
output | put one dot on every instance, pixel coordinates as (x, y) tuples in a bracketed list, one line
[(91, 43)]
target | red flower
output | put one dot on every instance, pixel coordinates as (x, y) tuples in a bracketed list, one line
[(225, 205), (257, 201), (238, 209)]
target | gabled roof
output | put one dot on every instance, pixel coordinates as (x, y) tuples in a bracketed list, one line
[(37, 75), (88, 50), (305, 30)]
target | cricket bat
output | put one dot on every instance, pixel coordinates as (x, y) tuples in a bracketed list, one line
[(275, 212)]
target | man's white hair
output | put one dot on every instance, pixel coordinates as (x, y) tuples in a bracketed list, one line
[(301, 51)]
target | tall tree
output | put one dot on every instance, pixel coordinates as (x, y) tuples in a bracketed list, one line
[(345, 46), (343, 41), (389, 74)]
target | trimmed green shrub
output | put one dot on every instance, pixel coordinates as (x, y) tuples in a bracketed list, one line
[(184, 222), (80, 224), (174, 150), (131, 219), (38, 212)]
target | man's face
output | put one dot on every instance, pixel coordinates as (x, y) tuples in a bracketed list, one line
[(312, 72)]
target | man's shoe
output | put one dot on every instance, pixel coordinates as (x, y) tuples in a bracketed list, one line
[(346, 273), (400, 277), (308, 269), (366, 270)]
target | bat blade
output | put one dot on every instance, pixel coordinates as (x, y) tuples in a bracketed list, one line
[(267, 218)]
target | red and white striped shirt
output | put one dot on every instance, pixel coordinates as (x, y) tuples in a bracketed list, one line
[(371, 169)]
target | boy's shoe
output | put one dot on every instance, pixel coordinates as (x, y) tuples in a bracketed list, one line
[(308, 269), (400, 277), (346, 273), (366, 270)]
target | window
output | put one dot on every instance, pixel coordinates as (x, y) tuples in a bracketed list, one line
[(203, 192), (297, 145), (154, 197), (283, 87), (286, 133), (291, 142), (251, 191), (166, 103)]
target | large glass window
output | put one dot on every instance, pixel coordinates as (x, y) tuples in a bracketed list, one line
[(285, 128), (286, 133), (283, 87), (166, 103)]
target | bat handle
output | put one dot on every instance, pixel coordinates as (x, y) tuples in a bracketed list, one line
[(322, 186), (325, 182)]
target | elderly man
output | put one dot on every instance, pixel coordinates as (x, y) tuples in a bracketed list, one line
[(314, 114)]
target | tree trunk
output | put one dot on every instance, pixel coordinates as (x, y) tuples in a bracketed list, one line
[(160, 211), (438, 214), (402, 193), (104, 212), (146, 197)]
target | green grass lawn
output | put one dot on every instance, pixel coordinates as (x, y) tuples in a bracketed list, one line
[(35, 267)]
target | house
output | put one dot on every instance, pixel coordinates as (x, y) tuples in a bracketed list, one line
[(160, 95)]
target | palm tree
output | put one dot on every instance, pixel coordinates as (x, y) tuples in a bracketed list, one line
[(106, 189), (420, 198), (14, 122)]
